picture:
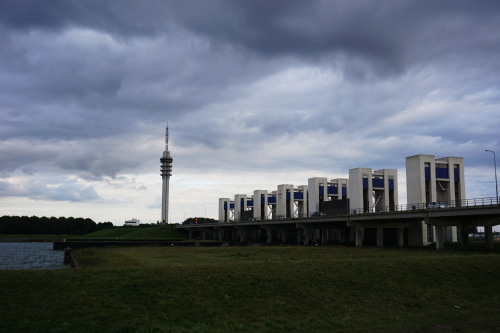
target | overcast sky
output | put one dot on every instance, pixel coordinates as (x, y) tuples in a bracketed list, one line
[(256, 93)]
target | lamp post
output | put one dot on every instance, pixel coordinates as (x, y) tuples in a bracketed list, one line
[(495, 163)]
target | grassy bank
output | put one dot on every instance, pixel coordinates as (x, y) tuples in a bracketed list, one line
[(31, 237), (250, 289), (146, 232)]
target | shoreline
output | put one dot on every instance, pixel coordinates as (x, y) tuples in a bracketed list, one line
[(28, 240)]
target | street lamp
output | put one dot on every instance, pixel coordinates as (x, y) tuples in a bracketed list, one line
[(495, 163)]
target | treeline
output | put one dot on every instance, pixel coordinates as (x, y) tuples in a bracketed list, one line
[(49, 225), (198, 220)]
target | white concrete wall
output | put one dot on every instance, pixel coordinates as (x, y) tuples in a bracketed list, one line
[(452, 161), (221, 209), (415, 179), (281, 202), (304, 208), (356, 176), (257, 195), (416, 192), (273, 206), (238, 207), (388, 174), (313, 190)]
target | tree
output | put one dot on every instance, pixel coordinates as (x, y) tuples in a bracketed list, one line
[(199, 220), (45, 225)]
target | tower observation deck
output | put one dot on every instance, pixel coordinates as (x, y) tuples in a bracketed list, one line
[(166, 172)]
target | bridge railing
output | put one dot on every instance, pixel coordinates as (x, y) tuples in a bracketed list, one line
[(488, 201), (476, 202)]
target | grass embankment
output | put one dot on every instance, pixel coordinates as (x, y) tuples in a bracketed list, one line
[(147, 232), (258, 289), (32, 237)]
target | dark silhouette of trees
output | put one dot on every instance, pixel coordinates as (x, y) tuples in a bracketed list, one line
[(53, 225), (199, 220)]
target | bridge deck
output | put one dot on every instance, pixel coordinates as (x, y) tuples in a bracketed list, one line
[(482, 213)]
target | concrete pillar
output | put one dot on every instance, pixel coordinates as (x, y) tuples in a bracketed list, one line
[(464, 236), (439, 237), (243, 234), (284, 237), (324, 236), (190, 234), (359, 236), (315, 235), (401, 237), (203, 234), (221, 235), (380, 237), (488, 237), (342, 234), (351, 235), (307, 236), (454, 236), (269, 236)]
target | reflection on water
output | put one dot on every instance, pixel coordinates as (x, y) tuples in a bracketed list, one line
[(30, 256)]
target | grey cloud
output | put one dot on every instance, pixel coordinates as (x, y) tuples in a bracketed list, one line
[(88, 159), (101, 94), (122, 17), (86, 87), (384, 37), (69, 190), (20, 154)]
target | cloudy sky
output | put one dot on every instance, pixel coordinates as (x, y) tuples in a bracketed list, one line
[(256, 93)]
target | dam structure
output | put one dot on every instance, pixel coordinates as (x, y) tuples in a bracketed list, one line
[(362, 209), (166, 172)]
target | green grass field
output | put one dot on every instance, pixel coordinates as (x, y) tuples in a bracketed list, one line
[(145, 232), (149, 232), (257, 289)]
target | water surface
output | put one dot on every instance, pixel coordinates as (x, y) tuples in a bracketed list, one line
[(37, 255)]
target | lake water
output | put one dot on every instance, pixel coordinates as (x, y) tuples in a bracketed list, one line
[(38, 255)]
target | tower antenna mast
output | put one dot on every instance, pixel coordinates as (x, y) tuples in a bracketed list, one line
[(166, 138), (166, 172)]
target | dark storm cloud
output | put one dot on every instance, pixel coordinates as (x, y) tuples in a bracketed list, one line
[(122, 17), (79, 76), (386, 35)]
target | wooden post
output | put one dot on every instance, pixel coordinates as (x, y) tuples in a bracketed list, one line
[(68, 258)]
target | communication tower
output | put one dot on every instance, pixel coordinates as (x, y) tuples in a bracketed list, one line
[(166, 172)]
